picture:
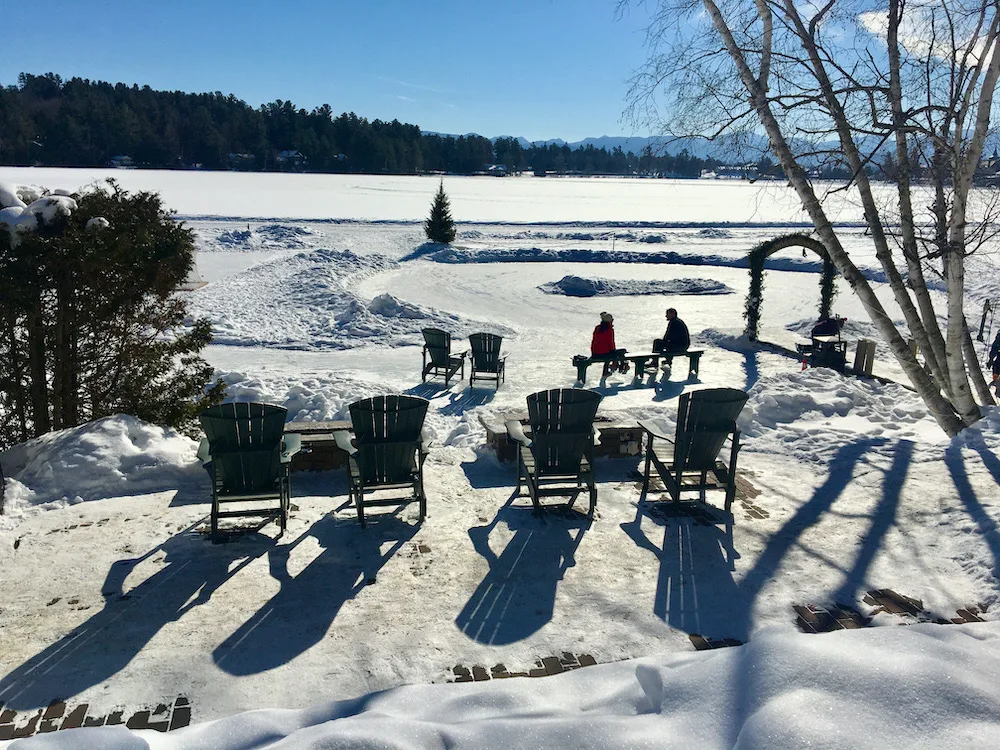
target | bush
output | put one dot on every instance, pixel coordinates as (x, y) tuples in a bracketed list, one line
[(91, 323)]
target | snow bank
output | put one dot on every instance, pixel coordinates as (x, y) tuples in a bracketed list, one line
[(811, 414), (577, 286), (585, 255), (266, 237), (309, 398), (110, 457), (917, 686), (304, 302)]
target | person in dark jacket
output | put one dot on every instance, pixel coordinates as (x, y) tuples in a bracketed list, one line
[(994, 362), (676, 338), (602, 343)]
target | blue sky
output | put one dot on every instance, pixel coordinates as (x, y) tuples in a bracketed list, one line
[(534, 68)]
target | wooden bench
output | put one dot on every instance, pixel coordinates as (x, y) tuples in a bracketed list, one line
[(646, 363)]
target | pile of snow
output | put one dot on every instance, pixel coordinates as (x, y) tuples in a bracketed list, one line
[(451, 254), (308, 398), (110, 457), (809, 415), (266, 237), (653, 239), (577, 286), (304, 302), (918, 686)]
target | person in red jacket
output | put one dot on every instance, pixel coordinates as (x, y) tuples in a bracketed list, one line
[(603, 343)]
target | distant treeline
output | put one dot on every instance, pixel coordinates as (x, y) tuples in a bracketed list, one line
[(45, 120)]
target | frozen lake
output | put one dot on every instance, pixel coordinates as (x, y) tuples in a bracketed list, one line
[(400, 198)]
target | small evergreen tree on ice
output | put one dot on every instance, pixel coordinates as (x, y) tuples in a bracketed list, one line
[(440, 227)]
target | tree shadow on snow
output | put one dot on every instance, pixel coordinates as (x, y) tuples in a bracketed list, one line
[(883, 518), (955, 462), (517, 596), (301, 612), (192, 570)]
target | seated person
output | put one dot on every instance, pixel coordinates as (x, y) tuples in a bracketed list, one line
[(828, 327), (602, 344), (676, 339)]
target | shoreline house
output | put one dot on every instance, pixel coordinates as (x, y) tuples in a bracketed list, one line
[(291, 160)]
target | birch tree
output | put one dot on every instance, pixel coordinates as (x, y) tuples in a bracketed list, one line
[(856, 82)]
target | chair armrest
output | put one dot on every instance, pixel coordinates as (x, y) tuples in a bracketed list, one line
[(343, 439), (515, 431), (504, 355), (654, 429), (291, 443), (204, 454)]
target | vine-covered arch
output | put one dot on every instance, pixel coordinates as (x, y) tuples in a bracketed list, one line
[(757, 256)]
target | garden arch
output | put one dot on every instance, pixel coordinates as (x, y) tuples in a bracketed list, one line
[(757, 256)]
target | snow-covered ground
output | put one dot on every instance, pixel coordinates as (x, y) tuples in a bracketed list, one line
[(318, 288)]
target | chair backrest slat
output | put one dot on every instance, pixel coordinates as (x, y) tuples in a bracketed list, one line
[(704, 419), (485, 351), (438, 345)]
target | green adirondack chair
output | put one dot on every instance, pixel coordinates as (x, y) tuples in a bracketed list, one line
[(486, 361), (438, 361), (388, 450), (558, 458), (689, 461), (247, 456)]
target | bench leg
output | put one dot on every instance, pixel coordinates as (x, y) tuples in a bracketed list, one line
[(693, 361), (581, 372)]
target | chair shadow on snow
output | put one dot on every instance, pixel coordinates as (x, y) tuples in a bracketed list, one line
[(299, 615), (487, 472), (696, 591), (429, 390), (517, 596), (463, 401), (191, 571)]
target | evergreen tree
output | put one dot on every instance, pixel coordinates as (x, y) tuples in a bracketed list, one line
[(440, 227), (91, 323)]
